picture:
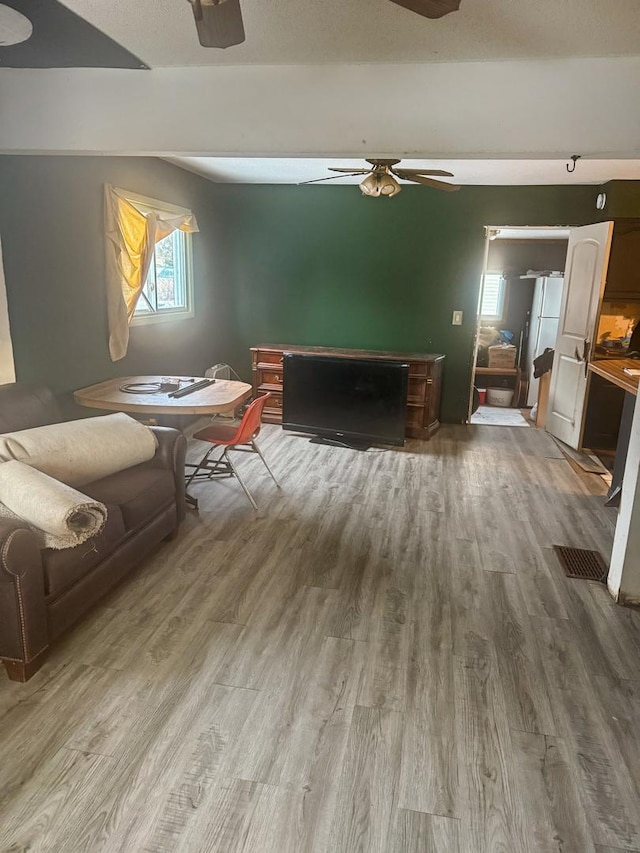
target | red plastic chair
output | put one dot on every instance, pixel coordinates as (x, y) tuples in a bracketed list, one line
[(242, 437)]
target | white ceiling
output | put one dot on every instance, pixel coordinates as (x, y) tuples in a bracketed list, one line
[(283, 32), (342, 80), (282, 170)]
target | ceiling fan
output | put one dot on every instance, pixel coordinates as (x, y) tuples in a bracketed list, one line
[(382, 179), (219, 22)]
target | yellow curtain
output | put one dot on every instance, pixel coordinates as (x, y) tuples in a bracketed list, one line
[(131, 236)]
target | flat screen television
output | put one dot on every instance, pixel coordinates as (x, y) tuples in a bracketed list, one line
[(349, 401)]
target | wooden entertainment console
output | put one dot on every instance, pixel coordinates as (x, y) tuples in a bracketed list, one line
[(423, 398)]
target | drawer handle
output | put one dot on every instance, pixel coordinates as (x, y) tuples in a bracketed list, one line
[(429, 381)]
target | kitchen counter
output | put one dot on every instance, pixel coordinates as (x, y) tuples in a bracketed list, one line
[(613, 371)]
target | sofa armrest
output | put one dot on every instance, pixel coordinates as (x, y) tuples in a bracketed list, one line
[(23, 616), (171, 453)]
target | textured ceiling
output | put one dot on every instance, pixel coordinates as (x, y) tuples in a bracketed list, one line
[(162, 32), (280, 170)]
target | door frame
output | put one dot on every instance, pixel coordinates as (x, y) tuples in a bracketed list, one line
[(488, 231)]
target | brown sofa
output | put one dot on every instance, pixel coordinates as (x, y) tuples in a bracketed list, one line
[(43, 592)]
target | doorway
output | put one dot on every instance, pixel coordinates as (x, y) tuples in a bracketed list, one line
[(519, 299)]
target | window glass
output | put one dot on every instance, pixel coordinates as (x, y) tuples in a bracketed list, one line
[(168, 290), (493, 294)]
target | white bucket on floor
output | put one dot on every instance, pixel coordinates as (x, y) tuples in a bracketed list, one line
[(500, 396)]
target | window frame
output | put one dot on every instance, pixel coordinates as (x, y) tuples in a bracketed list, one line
[(502, 303), (145, 205)]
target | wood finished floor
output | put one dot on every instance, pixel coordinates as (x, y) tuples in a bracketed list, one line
[(385, 658)]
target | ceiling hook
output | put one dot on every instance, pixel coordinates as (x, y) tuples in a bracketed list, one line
[(574, 158)]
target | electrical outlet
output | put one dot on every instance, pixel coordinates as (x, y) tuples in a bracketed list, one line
[(457, 318)]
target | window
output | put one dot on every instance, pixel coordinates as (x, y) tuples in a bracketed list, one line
[(493, 296), (168, 290)]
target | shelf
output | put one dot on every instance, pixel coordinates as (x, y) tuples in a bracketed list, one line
[(497, 371)]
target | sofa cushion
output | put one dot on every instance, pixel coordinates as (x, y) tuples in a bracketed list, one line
[(140, 492), (62, 568)]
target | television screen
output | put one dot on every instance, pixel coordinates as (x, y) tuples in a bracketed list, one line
[(346, 399)]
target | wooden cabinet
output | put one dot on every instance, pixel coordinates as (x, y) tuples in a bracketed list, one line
[(423, 395), (623, 270)]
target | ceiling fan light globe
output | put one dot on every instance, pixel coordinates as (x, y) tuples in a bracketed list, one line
[(380, 183), (370, 185), (390, 189)]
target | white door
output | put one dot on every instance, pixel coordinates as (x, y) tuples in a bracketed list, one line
[(587, 260)]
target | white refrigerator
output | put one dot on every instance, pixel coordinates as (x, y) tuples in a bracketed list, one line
[(545, 313)]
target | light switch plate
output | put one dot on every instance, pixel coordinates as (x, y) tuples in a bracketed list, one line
[(457, 318)]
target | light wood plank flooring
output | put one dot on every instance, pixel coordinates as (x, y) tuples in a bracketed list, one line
[(384, 658)]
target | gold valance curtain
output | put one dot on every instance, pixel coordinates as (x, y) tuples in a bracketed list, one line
[(131, 235)]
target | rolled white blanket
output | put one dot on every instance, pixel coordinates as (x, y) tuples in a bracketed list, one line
[(61, 516), (79, 452)]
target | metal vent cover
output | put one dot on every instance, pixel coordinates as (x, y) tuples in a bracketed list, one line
[(581, 563)]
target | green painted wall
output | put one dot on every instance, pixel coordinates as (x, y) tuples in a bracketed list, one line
[(323, 265), (623, 200), (310, 265), (51, 225)]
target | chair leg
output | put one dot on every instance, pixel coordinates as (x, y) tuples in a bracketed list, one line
[(197, 467), (240, 480), (201, 464), (259, 452)]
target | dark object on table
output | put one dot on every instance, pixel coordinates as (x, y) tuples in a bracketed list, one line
[(543, 363), (190, 389), (44, 591), (142, 387)]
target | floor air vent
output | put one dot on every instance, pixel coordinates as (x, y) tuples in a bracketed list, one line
[(578, 563)]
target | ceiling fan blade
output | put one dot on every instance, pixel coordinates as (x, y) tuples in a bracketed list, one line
[(219, 22), (350, 171), (428, 182), (330, 178), (408, 172), (430, 8)]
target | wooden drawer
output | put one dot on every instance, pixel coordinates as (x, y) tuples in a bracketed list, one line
[(415, 419), (416, 389), (270, 377), (272, 413), (265, 358), (418, 368)]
